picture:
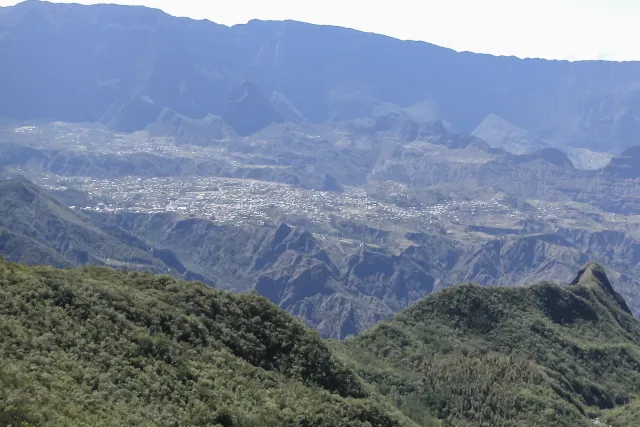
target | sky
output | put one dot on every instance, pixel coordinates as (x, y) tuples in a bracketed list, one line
[(552, 29)]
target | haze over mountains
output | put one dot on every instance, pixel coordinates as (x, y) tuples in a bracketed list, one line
[(343, 175), (342, 185), (131, 63)]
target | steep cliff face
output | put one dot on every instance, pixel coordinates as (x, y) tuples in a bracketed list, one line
[(123, 66)]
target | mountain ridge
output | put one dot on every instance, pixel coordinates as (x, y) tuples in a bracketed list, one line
[(462, 351), (353, 73), (36, 228), (183, 352), (467, 356), (338, 287), (258, 21)]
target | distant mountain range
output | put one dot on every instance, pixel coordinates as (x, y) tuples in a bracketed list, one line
[(126, 66)]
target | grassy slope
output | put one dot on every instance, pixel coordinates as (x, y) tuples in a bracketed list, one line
[(94, 346), (475, 356)]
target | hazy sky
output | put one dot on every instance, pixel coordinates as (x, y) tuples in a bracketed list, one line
[(558, 29)]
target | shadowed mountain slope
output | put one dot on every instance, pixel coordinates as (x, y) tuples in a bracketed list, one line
[(37, 229)]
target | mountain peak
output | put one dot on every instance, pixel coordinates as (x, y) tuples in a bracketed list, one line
[(460, 335), (590, 274), (593, 276)]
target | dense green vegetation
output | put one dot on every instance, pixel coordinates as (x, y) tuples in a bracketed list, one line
[(474, 356), (94, 346)]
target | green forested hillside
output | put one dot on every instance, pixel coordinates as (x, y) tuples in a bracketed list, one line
[(538, 356), (94, 347), (99, 347)]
